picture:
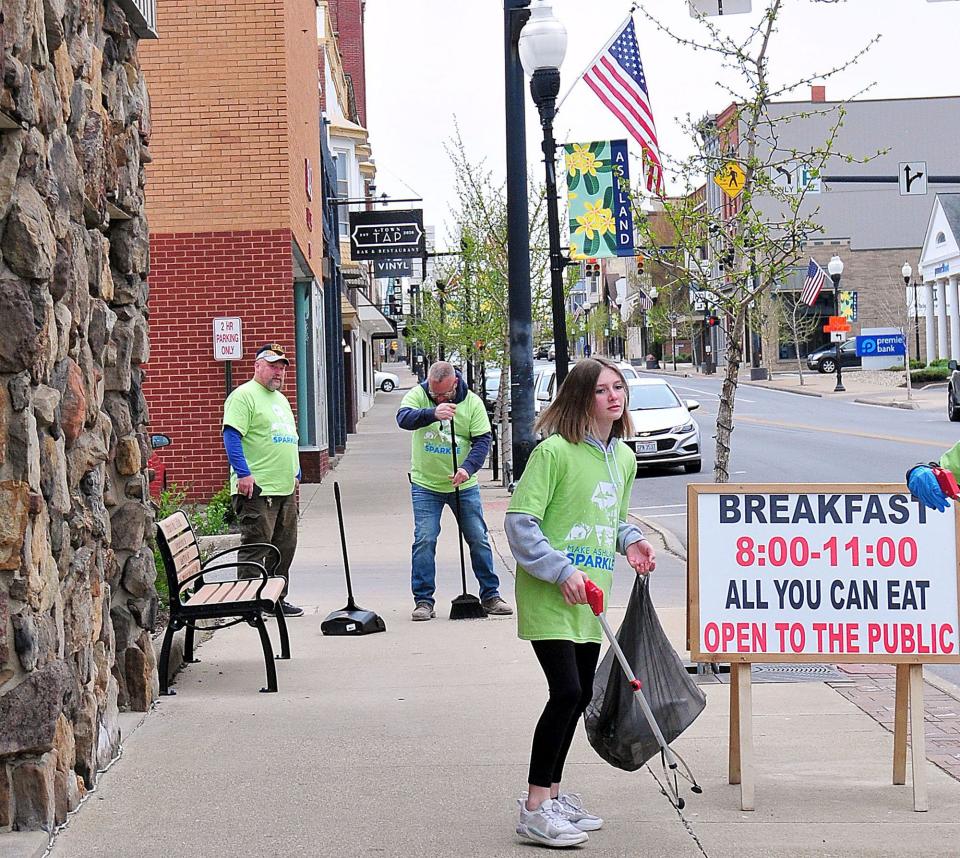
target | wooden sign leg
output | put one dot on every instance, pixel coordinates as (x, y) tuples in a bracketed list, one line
[(918, 744), (900, 709), (744, 733), (733, 759)]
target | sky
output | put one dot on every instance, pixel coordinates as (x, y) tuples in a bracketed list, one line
[(431, 63)]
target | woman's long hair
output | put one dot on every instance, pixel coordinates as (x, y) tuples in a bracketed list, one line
[(571, 412)]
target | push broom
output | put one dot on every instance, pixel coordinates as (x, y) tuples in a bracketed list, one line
[(466, 606)]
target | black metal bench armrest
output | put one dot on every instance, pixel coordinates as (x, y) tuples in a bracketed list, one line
[(268, 545), (183, 584)]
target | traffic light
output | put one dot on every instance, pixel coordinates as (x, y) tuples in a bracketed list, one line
[(640, 261), (712, 321)]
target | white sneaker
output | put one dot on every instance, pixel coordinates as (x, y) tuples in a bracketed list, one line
[(548, 826), (571, 805)]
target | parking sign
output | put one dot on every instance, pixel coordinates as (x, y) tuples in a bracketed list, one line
[(227, 338)]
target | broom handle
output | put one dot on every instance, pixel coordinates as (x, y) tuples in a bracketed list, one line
[(351, 606), (456, 493)]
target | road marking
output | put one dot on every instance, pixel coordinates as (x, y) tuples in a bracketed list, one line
[(658, 506), (710, 393), (849, 432), (667, 515)]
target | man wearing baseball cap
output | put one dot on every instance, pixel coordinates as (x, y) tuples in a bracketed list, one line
[(260, 437)]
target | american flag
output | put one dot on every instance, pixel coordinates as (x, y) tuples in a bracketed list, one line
[(643, 300), (617, 77), (813, 283)]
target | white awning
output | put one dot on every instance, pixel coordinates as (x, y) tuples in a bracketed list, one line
[(371, 319)]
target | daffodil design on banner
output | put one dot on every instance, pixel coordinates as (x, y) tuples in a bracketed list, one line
[(601, 222)]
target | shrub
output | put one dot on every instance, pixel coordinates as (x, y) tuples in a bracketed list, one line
[(931, 373)]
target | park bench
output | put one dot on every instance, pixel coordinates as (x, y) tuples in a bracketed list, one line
[(192, 598)]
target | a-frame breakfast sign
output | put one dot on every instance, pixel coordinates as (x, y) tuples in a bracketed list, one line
[(844, 573)]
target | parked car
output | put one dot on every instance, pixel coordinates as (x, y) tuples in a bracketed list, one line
[(953, 392), (824, 359), (664, 432), (542, 351), (385, 381), (629, 371), (156, 467)]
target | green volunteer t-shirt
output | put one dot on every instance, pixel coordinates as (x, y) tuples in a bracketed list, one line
[(580, 499), (269, 437), (431, 459)]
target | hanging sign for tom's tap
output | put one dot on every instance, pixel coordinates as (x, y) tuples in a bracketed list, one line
[(598, 199)]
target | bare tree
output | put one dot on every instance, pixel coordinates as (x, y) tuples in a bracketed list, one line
[(791, 318), (761, 236)]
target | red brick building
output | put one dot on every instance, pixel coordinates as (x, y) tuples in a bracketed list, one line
[(233, 201)]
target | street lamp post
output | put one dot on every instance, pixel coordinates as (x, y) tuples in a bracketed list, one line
[(515, 14), (543, 44), (835, 269), (442, 301), (907, 272)]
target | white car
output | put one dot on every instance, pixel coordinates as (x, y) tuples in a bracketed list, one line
[(664, 432), (385, 381)]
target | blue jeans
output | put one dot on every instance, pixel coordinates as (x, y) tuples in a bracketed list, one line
[(427, 509)]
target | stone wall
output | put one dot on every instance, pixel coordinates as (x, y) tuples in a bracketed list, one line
[(77, 596)]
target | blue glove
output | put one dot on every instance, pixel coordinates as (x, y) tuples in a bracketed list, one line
[(924, 487)]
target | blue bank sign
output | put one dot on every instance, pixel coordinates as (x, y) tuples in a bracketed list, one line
[(881, 345)]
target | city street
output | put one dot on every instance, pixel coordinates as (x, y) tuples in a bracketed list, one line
[(783, 437)]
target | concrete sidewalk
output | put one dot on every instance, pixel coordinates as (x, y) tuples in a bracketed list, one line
[(415, 742)]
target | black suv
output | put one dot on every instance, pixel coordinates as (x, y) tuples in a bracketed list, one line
[(824, 359)]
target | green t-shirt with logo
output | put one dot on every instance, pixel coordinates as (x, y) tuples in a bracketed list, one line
[(580, 499), (431, 459), (269, 437)]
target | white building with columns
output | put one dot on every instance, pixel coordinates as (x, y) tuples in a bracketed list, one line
[(936, 298)]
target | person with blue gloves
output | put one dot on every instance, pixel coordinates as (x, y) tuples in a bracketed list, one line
[(923, 484)]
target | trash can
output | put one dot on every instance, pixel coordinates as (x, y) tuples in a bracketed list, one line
[(652, 362)]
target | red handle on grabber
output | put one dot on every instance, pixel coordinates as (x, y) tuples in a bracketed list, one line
[(594, 597)]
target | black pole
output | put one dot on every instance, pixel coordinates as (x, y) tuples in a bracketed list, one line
[(916, 316), (836, 299), (442, 299), (515, 14), (545, 86), (228, 375)]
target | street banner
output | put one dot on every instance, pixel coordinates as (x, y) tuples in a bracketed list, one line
[(598, 199), (816, 572), (384, 268), (848, 305)]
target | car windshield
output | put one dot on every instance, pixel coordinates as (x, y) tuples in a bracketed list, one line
[(491, 383), (644, 397)]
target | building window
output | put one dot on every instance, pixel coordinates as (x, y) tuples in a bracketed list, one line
[(343, 191), (941, 238)]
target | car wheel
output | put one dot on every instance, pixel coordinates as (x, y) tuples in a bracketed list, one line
[(387, 385), (693, 467), (953, 411), (827, 366)]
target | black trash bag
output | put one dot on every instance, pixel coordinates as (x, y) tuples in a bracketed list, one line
[(616, 726)]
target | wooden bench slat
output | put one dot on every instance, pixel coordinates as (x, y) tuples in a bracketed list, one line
[(174, 524), (191, 568), (179, 543), (236, 591)]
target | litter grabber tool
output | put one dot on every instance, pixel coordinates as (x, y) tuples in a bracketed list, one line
[(352, 619), (466, 606), (673, 764), (947, 482)]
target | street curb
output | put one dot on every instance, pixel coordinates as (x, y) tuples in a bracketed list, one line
[(670, 540), (944, 685), (781, 389), (908, 406)]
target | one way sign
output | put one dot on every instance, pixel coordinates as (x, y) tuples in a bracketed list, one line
[(913, 178)]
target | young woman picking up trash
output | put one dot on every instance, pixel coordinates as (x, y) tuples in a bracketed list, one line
[(567, 518)]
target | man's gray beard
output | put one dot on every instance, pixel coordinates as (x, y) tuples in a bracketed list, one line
[(275, 383)]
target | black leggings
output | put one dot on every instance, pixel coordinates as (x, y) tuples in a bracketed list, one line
[(569, 668)]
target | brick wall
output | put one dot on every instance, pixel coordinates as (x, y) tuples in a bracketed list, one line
[(194, 278), (347, 16), (219, 103), (303, 126)]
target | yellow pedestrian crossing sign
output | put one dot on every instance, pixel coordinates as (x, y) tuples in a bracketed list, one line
[(730, 179)]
